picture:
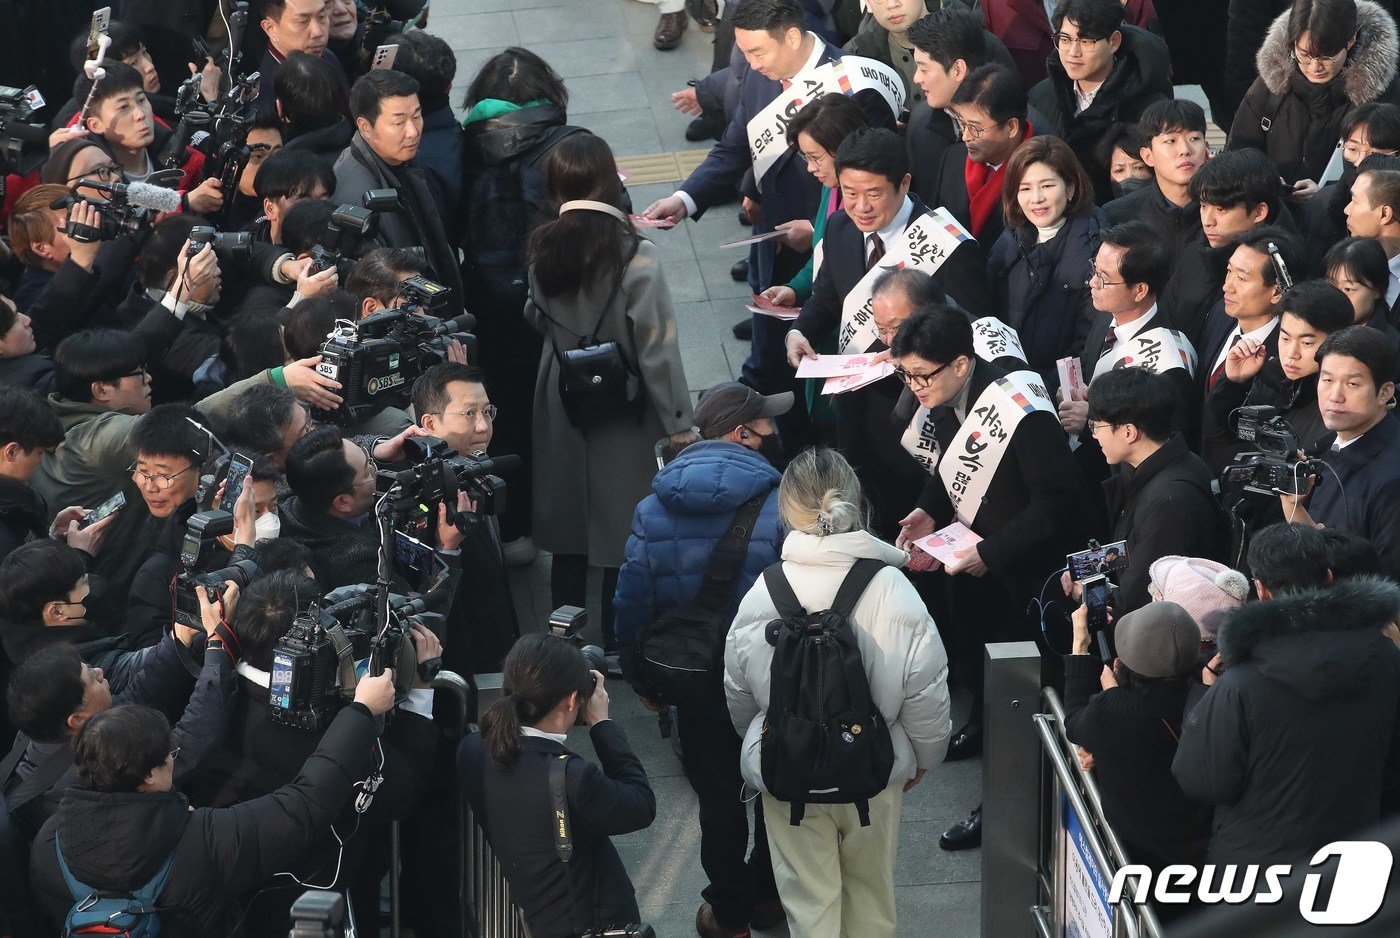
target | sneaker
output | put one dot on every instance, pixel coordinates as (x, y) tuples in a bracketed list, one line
[(519, 552), (708, 926), (669, 30)]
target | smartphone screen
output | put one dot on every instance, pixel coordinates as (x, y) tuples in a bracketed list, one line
[(238, 468), (103, 510), (1110, 558)]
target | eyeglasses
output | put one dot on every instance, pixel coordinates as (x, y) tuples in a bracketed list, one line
[(174, 752), (814, 160), (159, 479), (1096, 425), (1307, 58), (918, 381), (1103, 281), (973, 130), (471, 414), (107, 172), (1064, 42), (1355, 152), (142, 371)]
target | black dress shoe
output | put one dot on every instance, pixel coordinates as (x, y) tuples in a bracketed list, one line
[(966, 744), (739, 273), (743, 329), (708, 126), (965, 834)]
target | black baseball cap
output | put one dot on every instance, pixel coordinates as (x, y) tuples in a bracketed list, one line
[(728, 405)]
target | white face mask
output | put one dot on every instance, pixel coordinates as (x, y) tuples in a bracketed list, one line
[(267, 527)]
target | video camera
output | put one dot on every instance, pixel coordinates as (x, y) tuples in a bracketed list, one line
[(438, 473), (377, 359), (1278, 464), (17, 109), (125, 207), (197, 553), (316, 665)]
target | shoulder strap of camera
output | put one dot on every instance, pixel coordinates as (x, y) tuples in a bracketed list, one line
[(564, 835), (349, 677)]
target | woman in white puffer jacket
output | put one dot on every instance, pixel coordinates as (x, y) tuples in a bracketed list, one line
[(834, 876)]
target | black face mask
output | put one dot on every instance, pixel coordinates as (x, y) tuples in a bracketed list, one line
[(1131, 184), (770, 447)]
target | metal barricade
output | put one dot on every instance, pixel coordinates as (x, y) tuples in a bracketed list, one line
[(1080, 853)]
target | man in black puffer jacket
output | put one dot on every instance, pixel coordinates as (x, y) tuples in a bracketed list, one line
[(124, 820), (1110, 77), (1296, 741)]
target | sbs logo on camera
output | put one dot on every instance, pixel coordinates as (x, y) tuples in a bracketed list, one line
[(1358, 887)]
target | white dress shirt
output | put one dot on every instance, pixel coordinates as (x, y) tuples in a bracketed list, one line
[(1258, 335)]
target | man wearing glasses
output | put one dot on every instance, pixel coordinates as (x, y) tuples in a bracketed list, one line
[(1103, 72)]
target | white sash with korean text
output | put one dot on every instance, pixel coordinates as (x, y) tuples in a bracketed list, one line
[(1158, 350), (984, 438), (847, 75), (993, 339), (926, 243)]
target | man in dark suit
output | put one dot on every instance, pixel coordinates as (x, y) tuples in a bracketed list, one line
[(1029, 513), (1254, 285), (990, 108), (1128, 329), (770, 34), (948, 46), (1374, 212)]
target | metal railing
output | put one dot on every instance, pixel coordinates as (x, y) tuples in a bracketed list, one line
[(1072, 789)]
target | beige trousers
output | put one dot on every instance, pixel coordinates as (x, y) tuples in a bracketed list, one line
[(836, 878)]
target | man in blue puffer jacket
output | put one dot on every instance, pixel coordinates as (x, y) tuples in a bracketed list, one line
[(694, 502)]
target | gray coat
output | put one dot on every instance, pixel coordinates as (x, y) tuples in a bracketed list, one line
[(587, 482)]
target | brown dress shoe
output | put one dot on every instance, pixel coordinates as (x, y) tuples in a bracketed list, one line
[(709, 927), (669, 31)]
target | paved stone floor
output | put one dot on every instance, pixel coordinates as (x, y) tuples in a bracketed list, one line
[(620, 88)]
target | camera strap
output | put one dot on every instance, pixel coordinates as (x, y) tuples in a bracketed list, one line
[(349, 677), (564, 836), (612, 296)]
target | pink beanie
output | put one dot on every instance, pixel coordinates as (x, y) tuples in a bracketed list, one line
[(1207, 590)]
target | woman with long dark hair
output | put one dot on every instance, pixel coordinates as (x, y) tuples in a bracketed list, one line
[(599, 299), (506, 770), (1359, 268), (517, 113)]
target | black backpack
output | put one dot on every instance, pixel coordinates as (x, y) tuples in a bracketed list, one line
[(680, 656), (824, 740)]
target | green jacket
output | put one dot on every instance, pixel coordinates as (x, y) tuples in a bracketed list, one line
[(801, 283)]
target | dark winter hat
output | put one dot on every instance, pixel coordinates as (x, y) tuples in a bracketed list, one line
[(1158, 640), (726, 406)]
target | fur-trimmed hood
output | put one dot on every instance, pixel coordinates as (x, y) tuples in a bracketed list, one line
[(1371, 63), (1320, 642)]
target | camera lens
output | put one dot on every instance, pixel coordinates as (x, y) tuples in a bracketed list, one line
[(597, 661)]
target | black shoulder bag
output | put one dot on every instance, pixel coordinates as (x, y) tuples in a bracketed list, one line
[(680, 656), (564, 847), (596, 382)]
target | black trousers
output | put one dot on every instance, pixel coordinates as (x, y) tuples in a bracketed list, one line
[(710, 756)]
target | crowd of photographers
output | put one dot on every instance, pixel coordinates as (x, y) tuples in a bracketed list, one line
[(263, 296)]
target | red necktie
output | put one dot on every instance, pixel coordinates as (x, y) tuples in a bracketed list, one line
[(786, 83), (1220, 369), (877, 251)]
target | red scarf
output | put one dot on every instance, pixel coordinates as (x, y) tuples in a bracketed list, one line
[(984, 189)]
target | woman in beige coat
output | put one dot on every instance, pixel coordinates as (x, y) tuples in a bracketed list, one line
[(593, 279)]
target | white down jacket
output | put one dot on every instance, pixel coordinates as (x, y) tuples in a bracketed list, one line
[(899, 645)]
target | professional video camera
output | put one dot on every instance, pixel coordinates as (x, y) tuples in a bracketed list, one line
[(439, 472), (377, 359), (17, 109), (1278, 465), (316, 665), (124, 208), (197, 553)]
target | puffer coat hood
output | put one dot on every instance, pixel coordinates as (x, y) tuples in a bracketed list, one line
[(1371, 62)]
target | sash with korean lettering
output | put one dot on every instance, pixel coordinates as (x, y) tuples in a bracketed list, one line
[(971, 462), (847, 75), (926, 243), (1158, 350), (993, 339)]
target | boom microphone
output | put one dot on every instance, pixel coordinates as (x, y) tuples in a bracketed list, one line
[(155, 198)]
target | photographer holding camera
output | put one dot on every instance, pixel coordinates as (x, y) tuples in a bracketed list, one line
[(264, 749), (1158, 491), (1357, 367), (125, 820), (519, 775), (331, 509)]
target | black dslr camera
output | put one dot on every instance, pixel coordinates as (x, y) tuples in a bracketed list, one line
[(1277, 465), (439, 472), (377, 359), (318, 914), (197, 553), (567, 622), (228, 245), (349, 226)]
